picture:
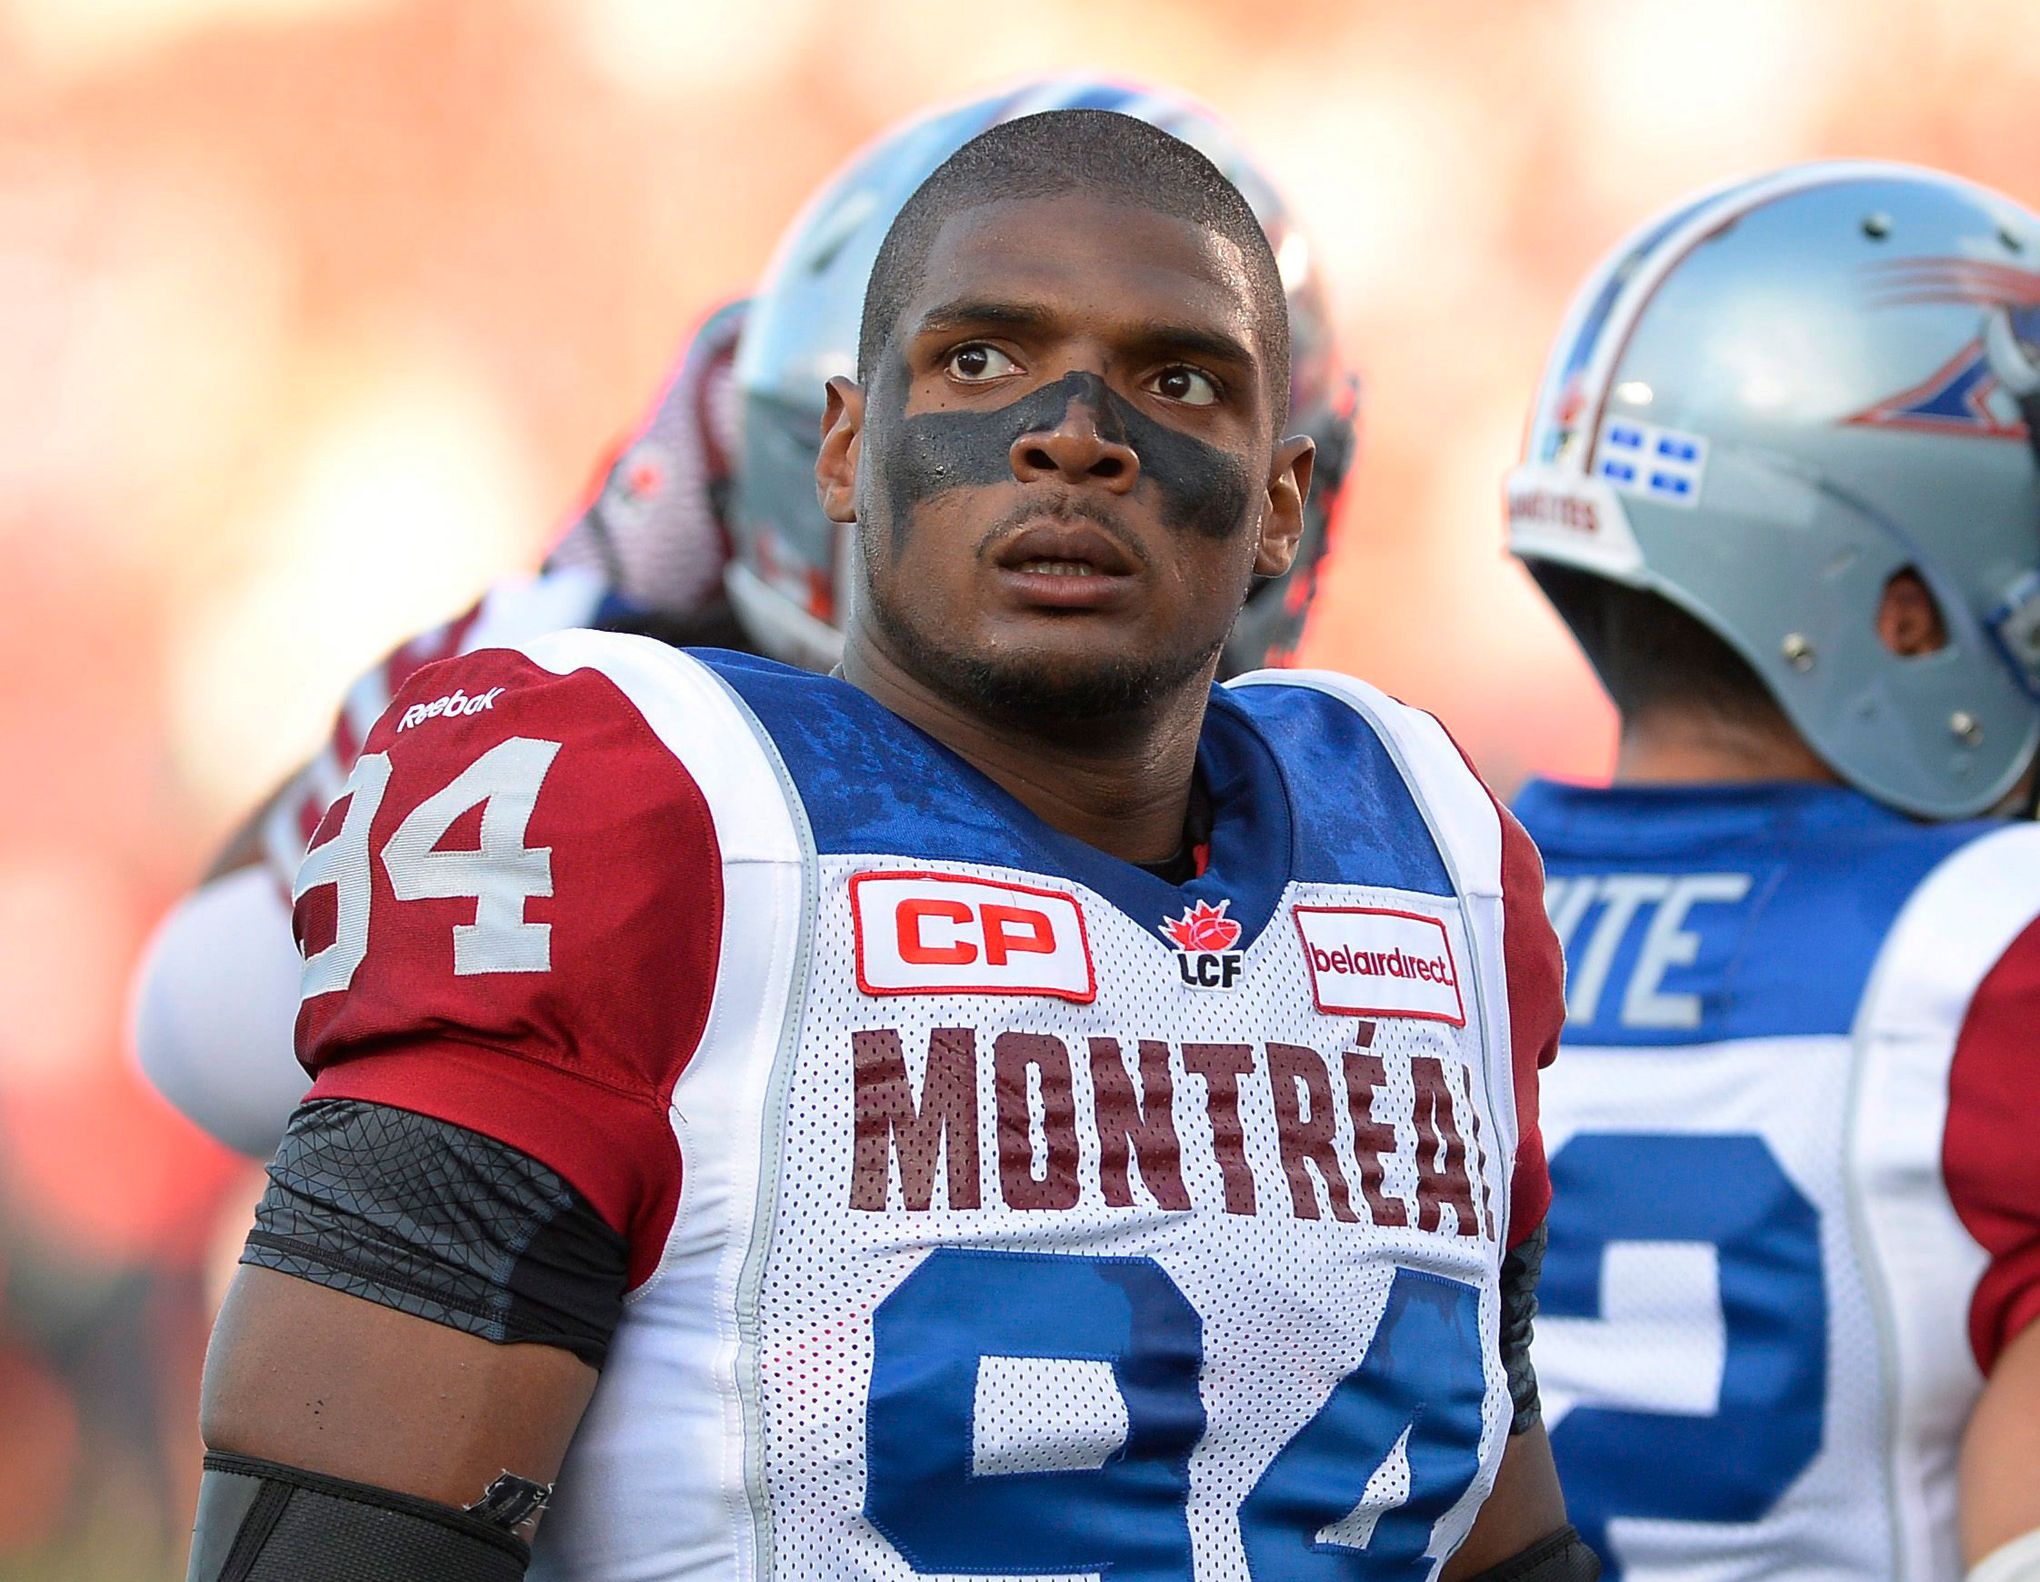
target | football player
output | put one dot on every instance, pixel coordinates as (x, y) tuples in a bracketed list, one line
[(1781, 484), (1011, 1109), (705, 532)]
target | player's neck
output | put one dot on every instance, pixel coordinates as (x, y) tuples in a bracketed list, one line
[(1675, 746), (1122, 785)]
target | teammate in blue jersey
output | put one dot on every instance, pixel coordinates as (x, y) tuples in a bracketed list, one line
[(1781, 483), (705, 530), (1007, 1109)]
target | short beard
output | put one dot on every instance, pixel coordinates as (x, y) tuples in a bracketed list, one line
[(1031, 691)]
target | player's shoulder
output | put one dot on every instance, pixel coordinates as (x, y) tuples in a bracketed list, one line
[(683, 694), (550, 817), (1385, 758), (1329, 693), (578, 683), (1299, 708), (1976, 901), (641, 725)]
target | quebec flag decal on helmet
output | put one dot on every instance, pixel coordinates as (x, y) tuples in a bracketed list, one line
[(788, 578), (1775, 398)]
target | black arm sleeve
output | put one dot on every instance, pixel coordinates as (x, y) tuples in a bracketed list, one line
[(260, 1521), (440, 1222), (1520, 1269), (1562, 1556)]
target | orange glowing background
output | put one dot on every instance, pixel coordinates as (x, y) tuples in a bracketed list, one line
[(315, 314)]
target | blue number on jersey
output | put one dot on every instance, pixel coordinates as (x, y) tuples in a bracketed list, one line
[(1422, 1375), (1727, 1190), (1126, 1517)]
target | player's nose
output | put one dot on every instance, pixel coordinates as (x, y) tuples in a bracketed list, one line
[(1077, 449)]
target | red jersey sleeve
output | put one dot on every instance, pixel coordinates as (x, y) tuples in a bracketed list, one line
[(1536, 969), (1535, 966), (1990, 1154), (511, 920)]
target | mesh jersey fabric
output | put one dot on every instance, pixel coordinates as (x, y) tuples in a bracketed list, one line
[(1790, 1142), (845, 1044)]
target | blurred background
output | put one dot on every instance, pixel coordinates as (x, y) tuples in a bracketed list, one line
[(316, 314)]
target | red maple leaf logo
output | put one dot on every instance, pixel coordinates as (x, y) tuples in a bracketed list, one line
[(1203, 927)]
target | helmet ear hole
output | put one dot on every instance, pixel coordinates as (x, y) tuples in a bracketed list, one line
[(1909, 621)]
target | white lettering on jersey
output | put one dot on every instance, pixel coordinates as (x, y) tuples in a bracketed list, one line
[(934, 933), (1667, 942), (1365, 961), (454, 703), (501, 873)]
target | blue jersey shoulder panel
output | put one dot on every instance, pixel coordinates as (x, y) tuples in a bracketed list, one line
[(872, 783), (1357, 821), (1694, 914)]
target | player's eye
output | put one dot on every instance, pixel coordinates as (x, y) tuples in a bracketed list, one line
[(1186, 385), (976, 363)]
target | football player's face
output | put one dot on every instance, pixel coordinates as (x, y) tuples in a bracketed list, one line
[(1064, 469)]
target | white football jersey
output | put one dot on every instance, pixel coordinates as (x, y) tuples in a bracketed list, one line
[(1797, 1191), (994, 1207)]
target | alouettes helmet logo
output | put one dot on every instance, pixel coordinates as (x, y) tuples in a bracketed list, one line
[(1206, 942), (1984, 388)]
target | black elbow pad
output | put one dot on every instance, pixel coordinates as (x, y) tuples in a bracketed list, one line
[(261, 1521)]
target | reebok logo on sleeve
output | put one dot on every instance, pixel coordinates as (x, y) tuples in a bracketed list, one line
[(455, 702)]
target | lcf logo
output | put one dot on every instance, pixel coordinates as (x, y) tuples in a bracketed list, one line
[(1205, 940)]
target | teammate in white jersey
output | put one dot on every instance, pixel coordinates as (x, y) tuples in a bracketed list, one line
[(1781, 483), (1012, 1109), (705, 531)]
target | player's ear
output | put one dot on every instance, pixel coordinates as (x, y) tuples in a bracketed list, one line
[(836, 464), (1282, 522)]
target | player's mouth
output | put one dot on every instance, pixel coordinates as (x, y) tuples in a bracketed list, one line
[(1058, 568), (1065, 566)]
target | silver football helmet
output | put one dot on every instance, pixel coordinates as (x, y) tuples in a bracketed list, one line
[(788, 575), (1777, 396)]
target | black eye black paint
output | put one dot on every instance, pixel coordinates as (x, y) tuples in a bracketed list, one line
[(1204, 490)]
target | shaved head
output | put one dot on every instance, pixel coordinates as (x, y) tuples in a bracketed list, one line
[(1116, 157)]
